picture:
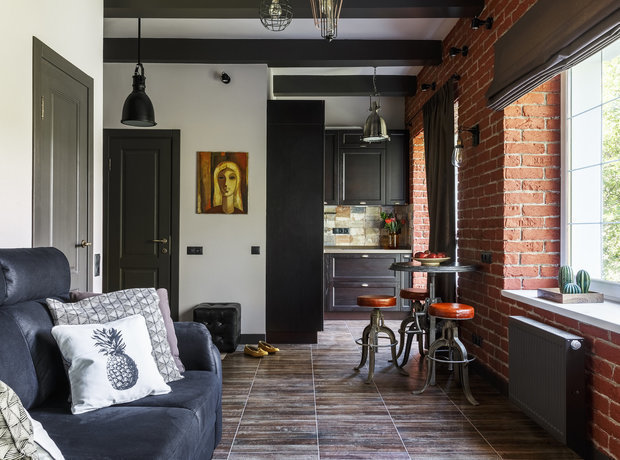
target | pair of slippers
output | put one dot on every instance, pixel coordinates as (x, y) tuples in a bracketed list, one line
[(260, 350)]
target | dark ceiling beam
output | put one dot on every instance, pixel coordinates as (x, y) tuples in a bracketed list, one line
[(237, 9), (277, 53), (349, 85)]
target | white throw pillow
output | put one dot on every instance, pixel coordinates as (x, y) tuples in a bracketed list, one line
[(111, 363), (120, 304)]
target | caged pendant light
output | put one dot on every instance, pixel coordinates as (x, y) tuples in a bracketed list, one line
[(138, 108), (275, 15), (326, 14), (375, 129)]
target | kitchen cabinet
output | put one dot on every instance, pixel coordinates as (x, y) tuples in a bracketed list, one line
[(361, 173), (348, 275)]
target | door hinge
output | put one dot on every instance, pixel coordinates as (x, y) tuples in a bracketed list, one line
[(42, 108)]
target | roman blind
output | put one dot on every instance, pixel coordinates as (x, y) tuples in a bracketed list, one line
[(550, 37)]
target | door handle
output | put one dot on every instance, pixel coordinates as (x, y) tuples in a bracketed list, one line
[(85, 244), (162, 241)]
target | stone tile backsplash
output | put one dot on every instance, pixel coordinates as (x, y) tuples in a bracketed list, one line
[(364, 224)]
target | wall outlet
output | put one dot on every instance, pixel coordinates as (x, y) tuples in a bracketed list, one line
[(340, 231), (194, 250), (255, 250), (97, 264), (476, 339), (486, 257)]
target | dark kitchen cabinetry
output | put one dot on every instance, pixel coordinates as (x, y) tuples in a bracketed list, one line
[(349, 275), (360, 173)]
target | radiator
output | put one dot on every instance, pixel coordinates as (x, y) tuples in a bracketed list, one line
[(547, 379)]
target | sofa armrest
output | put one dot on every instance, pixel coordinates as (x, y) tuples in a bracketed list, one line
[(196, 348)]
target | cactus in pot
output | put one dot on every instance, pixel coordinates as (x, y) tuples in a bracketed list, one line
[(583, 280), (565, 276)]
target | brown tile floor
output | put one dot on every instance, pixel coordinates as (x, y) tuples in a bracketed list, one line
[(307, 402)]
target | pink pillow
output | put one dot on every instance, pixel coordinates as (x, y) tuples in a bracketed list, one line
[(164, 307)]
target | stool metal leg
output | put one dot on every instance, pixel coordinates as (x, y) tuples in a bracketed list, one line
[(464, 372), (392, 337), (430, 372), (365, 335)]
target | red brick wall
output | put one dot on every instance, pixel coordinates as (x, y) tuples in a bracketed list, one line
[(419, 204), (509, 204)]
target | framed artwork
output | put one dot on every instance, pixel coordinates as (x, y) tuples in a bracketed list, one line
[(222, 183)]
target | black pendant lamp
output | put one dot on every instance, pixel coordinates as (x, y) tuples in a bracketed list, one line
[(138, 108), (375, 129)]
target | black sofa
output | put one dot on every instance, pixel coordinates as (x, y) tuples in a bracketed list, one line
[(183, 424)]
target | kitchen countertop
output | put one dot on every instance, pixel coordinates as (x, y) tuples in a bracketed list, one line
[(363, 249)]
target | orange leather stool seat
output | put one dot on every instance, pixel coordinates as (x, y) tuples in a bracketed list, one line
[(448, 310), (376, 301), (419, 294)]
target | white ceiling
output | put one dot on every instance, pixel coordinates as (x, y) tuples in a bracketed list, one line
[(348, 29)]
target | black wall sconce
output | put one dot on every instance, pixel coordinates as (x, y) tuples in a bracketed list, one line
[(427, 86), (476, 23), (457, 153), (454, 51), (225, 78)]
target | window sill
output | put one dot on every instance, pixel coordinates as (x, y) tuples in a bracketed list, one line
[(605, 315)]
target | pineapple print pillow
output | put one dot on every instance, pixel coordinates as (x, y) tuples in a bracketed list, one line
[(109, 363), (120, 304)]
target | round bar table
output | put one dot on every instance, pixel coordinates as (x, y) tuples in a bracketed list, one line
[(432, 271)]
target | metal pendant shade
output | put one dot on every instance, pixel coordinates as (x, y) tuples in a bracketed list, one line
[(138, 108), (375, 129), (275, 15), (326, 14)]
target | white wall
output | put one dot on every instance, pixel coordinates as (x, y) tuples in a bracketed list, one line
[(212, 117), (74, 29)]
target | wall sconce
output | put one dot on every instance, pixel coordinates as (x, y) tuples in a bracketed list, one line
[(427, 86), (454, 51), (476, 23), (457, 153)]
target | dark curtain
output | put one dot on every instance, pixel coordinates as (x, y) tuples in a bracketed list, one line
[(438, 145), (552, 36)]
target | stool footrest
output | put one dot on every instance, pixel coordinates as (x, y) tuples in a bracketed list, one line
[(361, 344), (440, 359)]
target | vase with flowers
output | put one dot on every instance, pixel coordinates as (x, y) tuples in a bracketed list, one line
[(394, 226)]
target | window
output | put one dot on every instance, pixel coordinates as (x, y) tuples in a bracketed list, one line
[(591, 208)]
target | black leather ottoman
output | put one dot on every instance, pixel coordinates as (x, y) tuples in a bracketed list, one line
[(223, 321)]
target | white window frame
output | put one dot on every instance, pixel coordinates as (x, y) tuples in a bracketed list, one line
[(611, 290)]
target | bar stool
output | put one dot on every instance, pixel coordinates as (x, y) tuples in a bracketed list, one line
[(370, 337), (457, 354), (415, 321)]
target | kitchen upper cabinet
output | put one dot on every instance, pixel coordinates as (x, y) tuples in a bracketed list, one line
[(397, 168), (362, 176), (361, 173), (330, 165)]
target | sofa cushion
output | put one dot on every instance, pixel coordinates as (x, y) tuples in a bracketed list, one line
[(110, 363), (115, 433), (26, 273), (120, 304), (196, 392), (30, 361)]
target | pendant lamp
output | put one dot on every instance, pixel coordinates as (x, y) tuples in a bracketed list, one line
[(275, 15), (375, 129), (138, 108), (326, 14)]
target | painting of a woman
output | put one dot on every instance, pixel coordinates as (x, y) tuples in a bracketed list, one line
[(222, 183)]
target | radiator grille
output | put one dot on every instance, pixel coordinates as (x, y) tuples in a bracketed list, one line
[(547, 379)]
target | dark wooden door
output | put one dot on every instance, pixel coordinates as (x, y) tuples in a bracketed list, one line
[(141, 211), (397, 168), (294, 259), (62, 167), (362, 173)]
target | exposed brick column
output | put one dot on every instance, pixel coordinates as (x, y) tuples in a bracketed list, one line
[(419, 203)]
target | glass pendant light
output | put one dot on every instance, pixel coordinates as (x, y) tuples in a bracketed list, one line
[(375, 129), (326, 14), (138, 108)]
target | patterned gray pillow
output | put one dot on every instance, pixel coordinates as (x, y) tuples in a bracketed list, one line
[(117, 305), (16, 438)]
